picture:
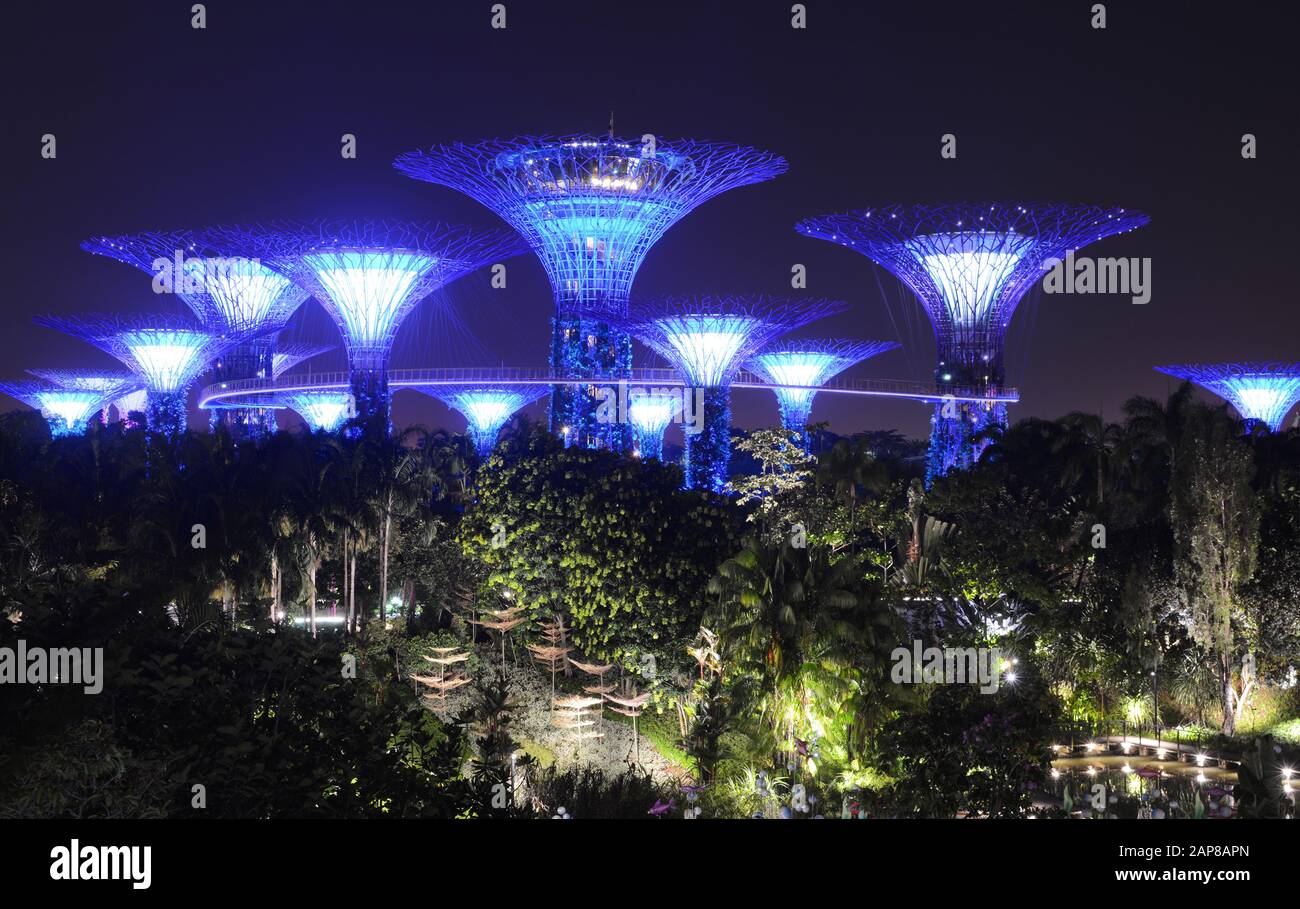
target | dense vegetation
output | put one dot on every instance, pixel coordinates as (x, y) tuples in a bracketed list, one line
[(261, 607)]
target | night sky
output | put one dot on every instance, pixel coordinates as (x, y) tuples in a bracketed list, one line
[(160, 126)]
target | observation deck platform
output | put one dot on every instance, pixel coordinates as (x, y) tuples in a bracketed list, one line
[(266, 392)]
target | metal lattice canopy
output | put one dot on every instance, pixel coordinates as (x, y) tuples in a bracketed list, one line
[(591, 207), (1259, 391), (231, 293), (368, 275), (812, 362), (486, 407), (287, 356), (803, 365), (65, 409), (708, 337), (320, 410), (970, 264), (113, 385), (166, 353)]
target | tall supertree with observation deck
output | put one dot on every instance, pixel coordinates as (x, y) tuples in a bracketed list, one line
[(799, 367), (969, 264), (591, 207), (165, 353), (1260, 392), (707, 338), (232, 295), (486, 407), (369, 276)]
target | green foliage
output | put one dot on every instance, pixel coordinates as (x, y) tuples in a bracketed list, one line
[(590, 794), (967, 751), (612, 544)]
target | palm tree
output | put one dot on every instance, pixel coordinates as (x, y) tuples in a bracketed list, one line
[(1088, 447), (849, 465), (405, 482), (800, 623)]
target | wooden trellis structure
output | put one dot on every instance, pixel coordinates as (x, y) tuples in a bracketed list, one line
[(444, 682), (502, 621), (579, 713), (629, 703), (554, 654), (601, 688)]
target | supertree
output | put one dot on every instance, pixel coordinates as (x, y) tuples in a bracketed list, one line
[(67, 411), (1261, 392), (320, 410), (969, 264), (287, 356), (369, 275), (800, 367), (486, 407), (232, 295), (650, 411), (707, 339), (114, 386), (590, 207), (166, 354)]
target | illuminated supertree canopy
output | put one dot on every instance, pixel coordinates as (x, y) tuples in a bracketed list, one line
[(804, 365), (969, 264), (591, 207), (321, 410), (228, 292), (650, 412), (1261, 392), (167, 354), (369, 275), (113, 386), (707, 338), (287, 356), (486, 407), (66, 410), (231, 294)]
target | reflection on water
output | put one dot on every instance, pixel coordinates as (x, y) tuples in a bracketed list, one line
[(1169, 787)]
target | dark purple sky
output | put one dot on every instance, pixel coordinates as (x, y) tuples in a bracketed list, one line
[(161, 126)]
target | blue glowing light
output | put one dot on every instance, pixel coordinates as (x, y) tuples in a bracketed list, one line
[(650, 413), (706, 339), (168, 359), (1263, 392), (708, 347), (369, 292), (590, 208), (486, 408), (245, 294), (66, 410), (321, 410), (970, 269), (288, 356), (970, 265), (134, 402), (807, 365)]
